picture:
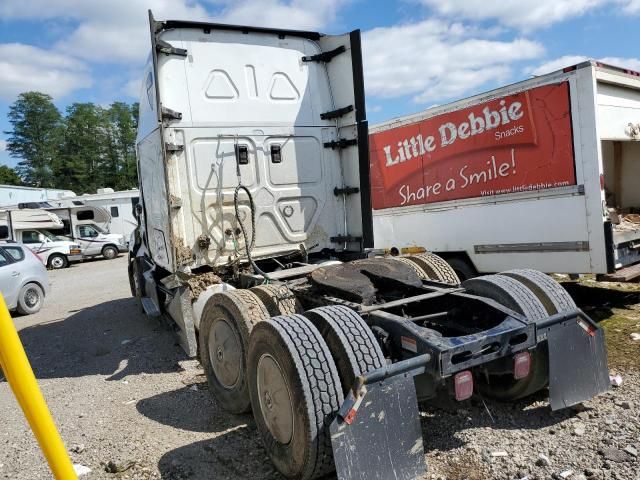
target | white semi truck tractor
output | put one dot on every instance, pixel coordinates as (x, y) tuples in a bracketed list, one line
[(255, 226)]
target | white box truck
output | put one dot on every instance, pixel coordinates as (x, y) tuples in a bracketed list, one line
[(540, 174)]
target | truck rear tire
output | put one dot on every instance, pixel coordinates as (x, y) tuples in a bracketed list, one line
[(435, 267), (512, 294), (295, 392), (552, 295), (464, 269), (278, 299), (413, 266), (227, 321), (353, 346)]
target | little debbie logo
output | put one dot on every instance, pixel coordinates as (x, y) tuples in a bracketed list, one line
[(449, 133), (515, 143)]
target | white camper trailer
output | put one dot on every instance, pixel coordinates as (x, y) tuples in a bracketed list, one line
[(120, 206), (86, 225), (40, 230)]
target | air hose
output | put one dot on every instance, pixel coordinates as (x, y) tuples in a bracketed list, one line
[(248, 245)]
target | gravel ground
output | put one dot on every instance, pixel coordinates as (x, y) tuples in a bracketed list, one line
[(130, 405)]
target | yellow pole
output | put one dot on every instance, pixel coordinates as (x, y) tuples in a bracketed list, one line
[(18, 373)]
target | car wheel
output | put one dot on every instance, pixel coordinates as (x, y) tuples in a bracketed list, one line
[(30, 299), (109, 252), (57, 261)]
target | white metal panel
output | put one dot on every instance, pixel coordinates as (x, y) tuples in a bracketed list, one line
[(152, 178), (253, 90), (557, 215), (618, 107)]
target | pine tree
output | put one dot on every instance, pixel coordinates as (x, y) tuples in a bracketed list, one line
[(35, 137)]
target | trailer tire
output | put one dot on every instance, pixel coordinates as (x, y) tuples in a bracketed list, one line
[(278, 299), (227, 321), (552, 295), (512, 294), (435, 267), (353, 346), (295, 392)]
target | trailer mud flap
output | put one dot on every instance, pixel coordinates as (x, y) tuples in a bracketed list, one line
[(385, 439), (578, 367)]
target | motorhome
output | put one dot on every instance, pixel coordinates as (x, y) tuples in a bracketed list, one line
[(120, 206), (86, 225), (41, 231)]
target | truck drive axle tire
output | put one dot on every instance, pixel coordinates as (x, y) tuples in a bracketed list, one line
[(512, 294), (278, 299), (295, 393), (435, 268), (554, 298), (351, 342), (227, 321)]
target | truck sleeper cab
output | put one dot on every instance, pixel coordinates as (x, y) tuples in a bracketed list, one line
[(254, 222)]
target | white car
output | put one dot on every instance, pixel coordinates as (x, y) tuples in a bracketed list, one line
[(23, 278)]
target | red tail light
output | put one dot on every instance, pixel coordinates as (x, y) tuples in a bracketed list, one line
[(521, 365), (463, 382)]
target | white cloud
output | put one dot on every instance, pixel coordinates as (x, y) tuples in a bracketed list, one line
[(555, 64), (24, 68), (524, 14), (118, 31), (569, 60), (3, 145), (293, 14), (434, 60)]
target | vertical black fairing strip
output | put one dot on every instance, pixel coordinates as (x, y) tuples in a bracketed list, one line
[(609, 247), (363, 139)]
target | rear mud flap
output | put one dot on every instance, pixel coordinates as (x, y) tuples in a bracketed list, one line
[(385, 439), (578, 368)]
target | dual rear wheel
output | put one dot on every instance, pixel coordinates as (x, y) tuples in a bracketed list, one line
[(292, 369)]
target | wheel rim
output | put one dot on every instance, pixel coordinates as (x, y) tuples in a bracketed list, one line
[(275, 399), (31, 297), (225, 353), (57, 262), (109, 253)]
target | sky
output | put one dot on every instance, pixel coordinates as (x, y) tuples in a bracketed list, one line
[(416, 53)]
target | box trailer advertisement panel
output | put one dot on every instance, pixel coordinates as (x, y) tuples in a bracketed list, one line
[(515, 143)]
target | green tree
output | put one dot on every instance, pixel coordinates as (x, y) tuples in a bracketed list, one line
[(120, 166), (8, 176), (34, 137), (79, 166)]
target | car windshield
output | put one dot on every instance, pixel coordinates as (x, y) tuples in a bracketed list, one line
[(100, 229), (53, 237)]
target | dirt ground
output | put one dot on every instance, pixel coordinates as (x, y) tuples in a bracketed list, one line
[(130, 405)]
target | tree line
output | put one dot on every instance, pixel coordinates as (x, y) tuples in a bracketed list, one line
[(87, 148)]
